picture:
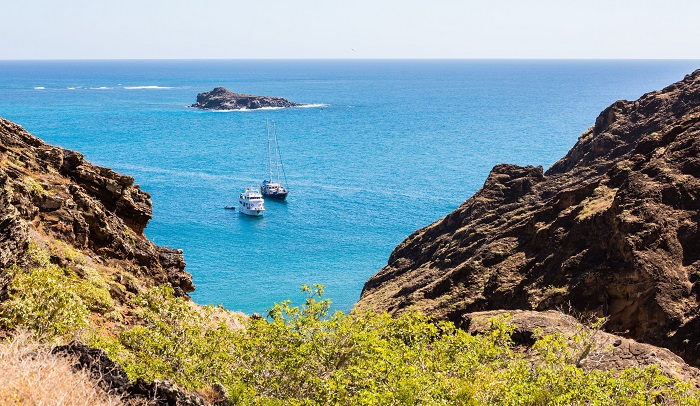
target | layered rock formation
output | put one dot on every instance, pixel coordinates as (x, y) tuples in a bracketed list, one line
[(62, 201), (222, 99), (610, 229)]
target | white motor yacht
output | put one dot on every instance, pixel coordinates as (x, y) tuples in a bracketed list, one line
[(251, 203)]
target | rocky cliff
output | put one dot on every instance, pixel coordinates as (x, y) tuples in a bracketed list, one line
[(70, 207), (610, 229), (222, 99)]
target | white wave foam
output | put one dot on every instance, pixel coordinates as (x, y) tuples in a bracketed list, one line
[(242, 110), (146, 87), (263, 108), (70, 88), (313, 105), (101, 88), (39, 88)]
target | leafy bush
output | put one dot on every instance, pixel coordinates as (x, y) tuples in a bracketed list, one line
[(303, 355), (175, 341), (92, 289), (51, 301), (95, 297), (41, 302)]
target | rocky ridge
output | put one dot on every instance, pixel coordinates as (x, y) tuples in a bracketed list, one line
[(59, 200), (611, 229), (223, 99)]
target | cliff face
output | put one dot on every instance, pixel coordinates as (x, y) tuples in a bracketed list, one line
[(222, 99), (611, 228), (57, 199)]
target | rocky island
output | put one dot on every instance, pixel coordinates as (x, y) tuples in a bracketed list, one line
[(612, 229), (222, 99)]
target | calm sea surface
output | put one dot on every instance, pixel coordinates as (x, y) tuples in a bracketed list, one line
[(389, 147)]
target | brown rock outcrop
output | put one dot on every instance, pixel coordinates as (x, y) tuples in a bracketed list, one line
[(222, 99), (611, 228), (53, 192), (591, 349)]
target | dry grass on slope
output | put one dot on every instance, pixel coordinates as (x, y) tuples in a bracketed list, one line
[(31, 375)]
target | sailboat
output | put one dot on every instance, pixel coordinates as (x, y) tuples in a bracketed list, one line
[(272, 187)]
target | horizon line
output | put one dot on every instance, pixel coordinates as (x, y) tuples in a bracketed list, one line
[(341, 59)]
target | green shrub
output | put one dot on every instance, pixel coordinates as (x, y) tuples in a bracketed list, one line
[(306, 356), (92, 289), (35, 187), (97, 299), (129, 236), (38, 256), (175, 341), (40, 300), (53, 302)]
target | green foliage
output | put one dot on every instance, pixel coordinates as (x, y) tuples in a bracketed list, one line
[(304, 355), (35, 187), (129, 236), (38, 255), (92, 289), (61, 249), (53, 302), (41, 302), (175, 341), (95, 297)]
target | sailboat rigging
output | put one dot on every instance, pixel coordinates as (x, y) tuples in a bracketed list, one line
[(272, 187)]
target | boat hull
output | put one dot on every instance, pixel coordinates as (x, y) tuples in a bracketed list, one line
[(251, 212), (276, 196)]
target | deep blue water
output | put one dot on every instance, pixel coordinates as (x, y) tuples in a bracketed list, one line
[(397, 145)]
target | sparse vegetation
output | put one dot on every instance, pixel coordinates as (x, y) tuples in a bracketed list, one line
[(129, 236), (601, 200), (63, 250), (35, 187)]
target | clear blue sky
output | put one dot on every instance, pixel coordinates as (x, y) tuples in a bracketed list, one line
[(225, 29)]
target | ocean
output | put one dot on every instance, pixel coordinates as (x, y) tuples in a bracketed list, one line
[(386, 147)]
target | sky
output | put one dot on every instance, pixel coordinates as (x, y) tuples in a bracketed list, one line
[(355, 29)]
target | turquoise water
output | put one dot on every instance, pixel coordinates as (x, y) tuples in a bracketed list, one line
[(390, 146)]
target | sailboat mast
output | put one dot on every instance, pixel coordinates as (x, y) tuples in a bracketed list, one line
[(277, 152), (269, 152)]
